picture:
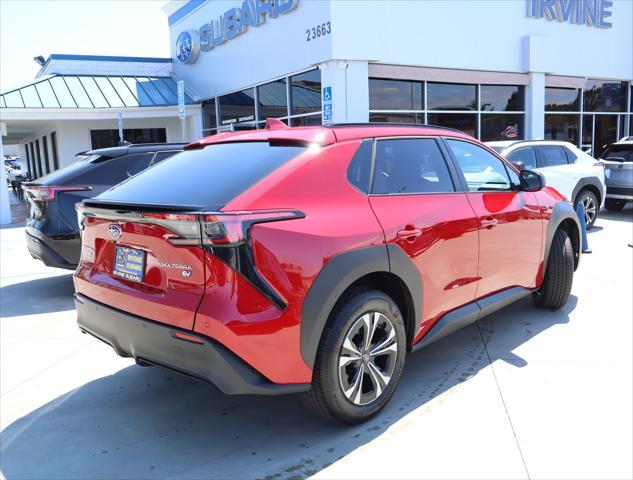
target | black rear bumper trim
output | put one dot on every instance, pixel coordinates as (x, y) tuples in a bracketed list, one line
[(40, 250), (154, 343)]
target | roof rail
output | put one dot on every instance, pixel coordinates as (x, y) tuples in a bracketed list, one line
[(392, 124)]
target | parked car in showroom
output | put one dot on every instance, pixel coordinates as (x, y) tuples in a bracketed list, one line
[(574, 173), (618, 169), (52, 230), (311, 259)]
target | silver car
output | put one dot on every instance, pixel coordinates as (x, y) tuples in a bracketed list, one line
[(618, 171)]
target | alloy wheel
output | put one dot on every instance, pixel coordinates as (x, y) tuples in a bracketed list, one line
[(590, 207), (367, 358)]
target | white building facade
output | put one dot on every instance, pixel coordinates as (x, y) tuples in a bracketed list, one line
[(498, 70)]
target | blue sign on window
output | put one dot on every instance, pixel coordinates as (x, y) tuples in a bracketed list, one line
[(327, 105)]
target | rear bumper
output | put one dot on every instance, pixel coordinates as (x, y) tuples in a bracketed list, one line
[(623, 193), (48, 251), (150, 342)]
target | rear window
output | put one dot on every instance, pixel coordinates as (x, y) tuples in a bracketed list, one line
[(208, 178), (618, 153)]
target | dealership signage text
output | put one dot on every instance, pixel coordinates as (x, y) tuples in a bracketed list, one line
[(580, 12), (232, 23)]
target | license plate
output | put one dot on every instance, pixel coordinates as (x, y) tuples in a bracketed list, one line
[(129, 263)]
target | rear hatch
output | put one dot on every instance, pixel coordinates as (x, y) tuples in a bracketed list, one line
[(145, 241), (618, 165)]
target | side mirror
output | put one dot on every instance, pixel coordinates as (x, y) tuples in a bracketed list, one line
[(519, 164), (532, 181)]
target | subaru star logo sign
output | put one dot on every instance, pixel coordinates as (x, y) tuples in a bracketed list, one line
[(188, 46), (114, 231)]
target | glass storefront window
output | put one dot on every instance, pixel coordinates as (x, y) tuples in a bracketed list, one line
[(605, 96), (587, 132), (466, 122), (501, 127), (209, 119), (562, 99), (396, 117), (273, 99), (451, 96), (305, 92), (395, 95), (606, 132), (497, 98), (306, 121), (562, 127), (237, 107)]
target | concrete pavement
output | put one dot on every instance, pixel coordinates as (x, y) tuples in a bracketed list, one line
[(525, 393)]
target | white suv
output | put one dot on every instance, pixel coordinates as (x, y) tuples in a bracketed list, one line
[(575, 174)]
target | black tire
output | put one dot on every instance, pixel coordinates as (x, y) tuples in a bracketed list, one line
[(327, 398), (592, 207), (614, 204), (559, 275)]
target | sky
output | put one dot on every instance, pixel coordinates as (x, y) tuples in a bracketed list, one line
[(29, 28)]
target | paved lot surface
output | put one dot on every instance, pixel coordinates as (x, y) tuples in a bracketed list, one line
[(525, 393)]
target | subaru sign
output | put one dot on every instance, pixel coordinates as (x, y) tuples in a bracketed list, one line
[(232, 23), (188, 46)]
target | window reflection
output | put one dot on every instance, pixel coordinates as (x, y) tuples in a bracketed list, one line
[(466, 122), (305, 92), (501, 127), (451, 96), (502, 98), (562, 127), (562, 99), (237, 107), (273, 99), (605, 96), (209, 119), (395, 95), (396, 117)]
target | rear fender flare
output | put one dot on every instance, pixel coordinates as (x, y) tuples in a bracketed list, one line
[(588, 182), (561, 212), (338, 274)]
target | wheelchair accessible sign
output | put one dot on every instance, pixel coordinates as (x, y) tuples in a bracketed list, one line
[(327, 105)]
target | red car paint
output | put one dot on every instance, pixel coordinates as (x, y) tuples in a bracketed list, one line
[(465, 246)]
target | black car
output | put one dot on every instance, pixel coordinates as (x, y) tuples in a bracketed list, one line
[(52, 230)]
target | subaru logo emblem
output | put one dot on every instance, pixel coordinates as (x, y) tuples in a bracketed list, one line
[(188, 46), (114, 231)]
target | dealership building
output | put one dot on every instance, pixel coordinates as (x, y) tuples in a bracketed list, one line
[(515, 69)]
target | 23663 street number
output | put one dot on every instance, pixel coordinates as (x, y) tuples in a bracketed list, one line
[(318, 31)]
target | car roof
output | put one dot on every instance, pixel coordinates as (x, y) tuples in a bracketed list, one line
[(526, 143), (135, 148), (326, 135)]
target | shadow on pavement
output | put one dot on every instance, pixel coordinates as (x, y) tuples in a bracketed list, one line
[(625, 215), (43, 295), (151, 423)]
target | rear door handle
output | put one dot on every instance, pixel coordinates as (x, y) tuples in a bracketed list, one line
[(488, 222), (409, 234)]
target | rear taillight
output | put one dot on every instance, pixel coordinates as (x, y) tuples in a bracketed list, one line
[(47, 194), (221, 229)]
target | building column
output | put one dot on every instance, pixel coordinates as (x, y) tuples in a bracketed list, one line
[(535, 107), (349, 85), (5, 206)]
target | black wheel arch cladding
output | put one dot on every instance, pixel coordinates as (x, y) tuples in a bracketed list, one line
[(342, 271), (562, 212), (594, 185)]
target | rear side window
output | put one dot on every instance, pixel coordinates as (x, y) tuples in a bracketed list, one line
[(571, 156), (552, 156), (527, 156), (482, 170), (207, 178), (360, 167), (412, 165)]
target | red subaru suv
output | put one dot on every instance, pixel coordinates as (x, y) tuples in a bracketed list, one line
[(313, 259)]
